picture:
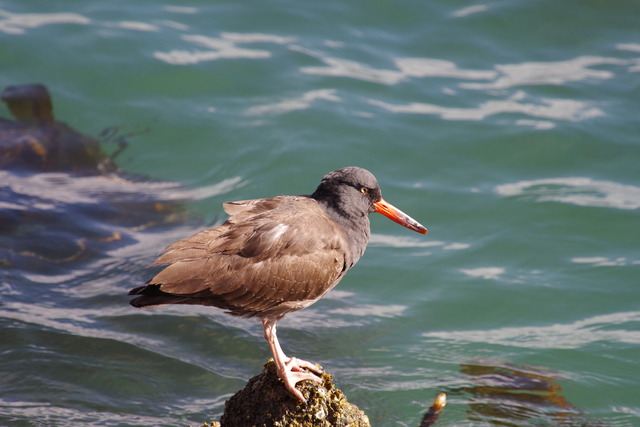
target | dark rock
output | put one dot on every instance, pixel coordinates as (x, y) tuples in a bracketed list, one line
[(265, 402)]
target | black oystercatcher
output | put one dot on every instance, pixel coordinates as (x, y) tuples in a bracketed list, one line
[(274, 256)]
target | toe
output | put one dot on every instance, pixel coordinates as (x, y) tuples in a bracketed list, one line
[(292, 378), (296, 364)]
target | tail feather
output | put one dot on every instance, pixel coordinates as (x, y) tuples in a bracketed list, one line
[(152, 296)]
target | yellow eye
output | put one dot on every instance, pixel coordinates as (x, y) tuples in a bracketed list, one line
[(364, 190)]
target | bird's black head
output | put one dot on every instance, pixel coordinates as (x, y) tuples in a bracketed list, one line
[(350, 192)]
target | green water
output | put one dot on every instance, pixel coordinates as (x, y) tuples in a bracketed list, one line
[(510, 129)]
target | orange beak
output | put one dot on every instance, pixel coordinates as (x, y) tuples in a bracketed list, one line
[(395, 214)]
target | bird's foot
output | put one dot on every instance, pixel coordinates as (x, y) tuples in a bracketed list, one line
[(297, 365), (296, 370)]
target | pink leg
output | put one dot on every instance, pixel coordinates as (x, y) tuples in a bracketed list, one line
[(290, 369)]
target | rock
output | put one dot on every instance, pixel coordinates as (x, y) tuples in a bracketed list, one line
[(265, 402), (36, 141)]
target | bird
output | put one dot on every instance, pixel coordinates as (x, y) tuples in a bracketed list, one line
[(274, 256)]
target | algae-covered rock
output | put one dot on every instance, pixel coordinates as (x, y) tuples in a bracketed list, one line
[(266, 402)]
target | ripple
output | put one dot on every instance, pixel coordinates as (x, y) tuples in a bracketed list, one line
[(427, 67), (61, 187), (578, 191), (16, 23), (40, 413), (79, 322), (224, 47), (256, 38), (368, 310), (536, 124), (406, 68), (489, 273), (549, 108), (338, 311), (600, 261), (549, 73), (556, 336), (186, 10), (292, 104), (631, 47), (401, 241), (469, 10), (337, 67), (136, 26)]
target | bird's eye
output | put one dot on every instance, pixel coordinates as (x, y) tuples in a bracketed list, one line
[(364, 190)]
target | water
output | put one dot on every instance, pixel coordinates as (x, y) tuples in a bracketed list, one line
[(509, 129)]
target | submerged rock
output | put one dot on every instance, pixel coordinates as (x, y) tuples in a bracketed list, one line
[(36, 141), (265, 402), (63, 200)]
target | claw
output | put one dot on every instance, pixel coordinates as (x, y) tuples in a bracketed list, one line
[(296, 370)]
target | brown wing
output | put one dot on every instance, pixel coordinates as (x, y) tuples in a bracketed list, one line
[(265, 260), (240, 210)]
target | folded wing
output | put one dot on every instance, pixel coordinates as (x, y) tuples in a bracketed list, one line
[(265, 260)]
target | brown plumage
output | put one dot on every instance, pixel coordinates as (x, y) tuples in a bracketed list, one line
[(274, 256), (263, 261)]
